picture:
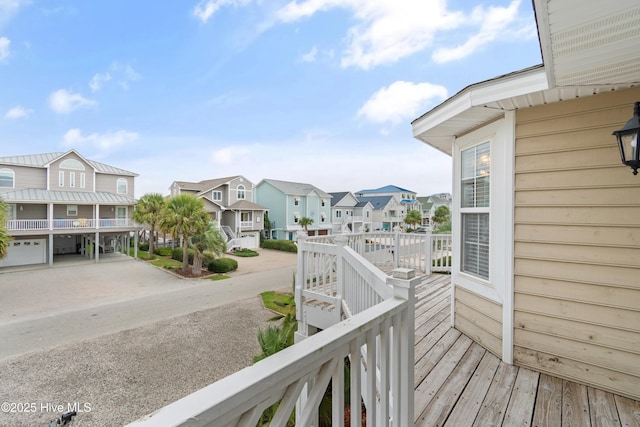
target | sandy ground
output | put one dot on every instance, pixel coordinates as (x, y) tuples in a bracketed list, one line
[(119, 377)]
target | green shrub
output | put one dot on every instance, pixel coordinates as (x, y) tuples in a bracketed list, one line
[(143, 247), (164, 251), (177, 255), (223, 265), (245, 253), (280, 245), (440, 261)]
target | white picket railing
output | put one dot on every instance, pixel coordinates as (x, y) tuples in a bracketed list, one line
[(67, 224)]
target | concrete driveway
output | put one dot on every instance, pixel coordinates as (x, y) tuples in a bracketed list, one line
[(41, 308)]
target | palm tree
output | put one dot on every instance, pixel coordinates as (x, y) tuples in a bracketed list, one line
[(185, 216), (210, 240), (413, 218), (149, 210), (305, 222), (5, 239)]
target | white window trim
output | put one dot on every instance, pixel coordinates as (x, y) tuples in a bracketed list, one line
[(72, 210), (501, 244), (60, 179), (213, 195), (72, 179), (13, 176), (126, 183), (241, 189), (83, 180)]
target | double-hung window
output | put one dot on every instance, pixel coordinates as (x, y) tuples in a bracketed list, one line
[(474, 209)]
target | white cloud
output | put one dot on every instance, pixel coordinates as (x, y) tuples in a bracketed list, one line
[(389, 30), (206, 9), (4, 48), (400, 102), (8, 8), (64, 102), (104, 142), (98, 80), (124, 74), (494, 22), (229, 155), (17, 112), (310, 56)]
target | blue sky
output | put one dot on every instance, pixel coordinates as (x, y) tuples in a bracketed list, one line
[(316, 91)]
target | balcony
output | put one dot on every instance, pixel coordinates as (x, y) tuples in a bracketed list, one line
[(30, 225)]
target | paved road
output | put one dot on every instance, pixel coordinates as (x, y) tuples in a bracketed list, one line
[(78, 316)]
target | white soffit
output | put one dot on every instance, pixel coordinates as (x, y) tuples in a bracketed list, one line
[(590, 42)]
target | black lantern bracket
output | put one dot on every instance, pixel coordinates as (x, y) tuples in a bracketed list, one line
[(628, 138)]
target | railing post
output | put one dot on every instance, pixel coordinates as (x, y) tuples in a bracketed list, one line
[(428, 253), (300, 277), (404, 283), (341, 241), (396, 249)]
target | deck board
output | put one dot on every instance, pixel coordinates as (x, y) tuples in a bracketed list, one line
[(458, 383)]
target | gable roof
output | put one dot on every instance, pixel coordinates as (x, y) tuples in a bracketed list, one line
[(377, 202), (337, 197), (247, 205), (386, 189), (295, 188), (204, 185), (45, 159)]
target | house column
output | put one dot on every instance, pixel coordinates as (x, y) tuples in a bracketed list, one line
[(50, 248), (97, 216), (96, 246), (50, 209)]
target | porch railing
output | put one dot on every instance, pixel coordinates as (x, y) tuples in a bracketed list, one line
[(67, 224)]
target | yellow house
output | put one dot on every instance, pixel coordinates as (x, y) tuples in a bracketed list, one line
[(546, 218)]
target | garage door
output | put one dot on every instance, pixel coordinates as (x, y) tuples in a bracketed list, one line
[(25, 252)]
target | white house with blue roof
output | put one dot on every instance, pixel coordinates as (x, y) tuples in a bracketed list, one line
[(349, 214), (61, 204), (390, 213)]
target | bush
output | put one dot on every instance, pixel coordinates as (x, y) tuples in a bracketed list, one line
[(440, 261), (223, 265), (164, 251), (177, 255), (281, 245), (144, 247), (245, 253)]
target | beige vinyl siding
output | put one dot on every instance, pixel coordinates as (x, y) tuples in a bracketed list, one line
[(480, 319), (54, 170), (577, 244), (109, 184), (25, 177)]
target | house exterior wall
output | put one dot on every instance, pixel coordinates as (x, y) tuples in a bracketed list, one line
[(480, 319), (55, 169), (109, 184), (25, 177), (577, 244), (273, 199)]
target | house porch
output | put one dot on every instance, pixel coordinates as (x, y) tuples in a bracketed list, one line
[(459, 383)]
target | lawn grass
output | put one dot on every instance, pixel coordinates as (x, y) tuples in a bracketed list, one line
[(282, 303), (166, 262), (218, 277)]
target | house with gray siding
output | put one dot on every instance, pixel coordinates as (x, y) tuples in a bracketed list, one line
[(288, 202), (62, 203), (231, 203)]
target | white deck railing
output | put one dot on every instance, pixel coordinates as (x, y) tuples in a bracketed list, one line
[(66, 224)]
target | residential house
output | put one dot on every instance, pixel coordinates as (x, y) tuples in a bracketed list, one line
[(406, 198), (388, 213), (62, 203), (288, 202), (350, 215), (546, 218), (429, 204), (231, 202)]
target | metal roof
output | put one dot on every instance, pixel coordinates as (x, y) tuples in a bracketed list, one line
[(295, 188), (377, 202), (247, 205), (385, 189), (44, 159), (80, 197)]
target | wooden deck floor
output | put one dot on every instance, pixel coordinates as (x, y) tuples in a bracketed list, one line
[(459, 383)]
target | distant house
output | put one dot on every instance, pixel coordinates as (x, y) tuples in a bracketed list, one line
[(388, 213), (406, 199), (62, 203), (429, 204), (231, 202), (288, 202), (350, 215), (546, 218)]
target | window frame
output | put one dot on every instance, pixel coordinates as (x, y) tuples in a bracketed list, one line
[(72, 210), (119, 181), (9, 172), (240, 192), (60, 178)]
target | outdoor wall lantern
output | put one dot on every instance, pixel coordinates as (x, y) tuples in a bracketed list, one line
[(628, 138)]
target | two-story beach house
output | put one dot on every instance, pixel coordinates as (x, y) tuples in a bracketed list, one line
[(546, 217), (349, 214), (62, 203), (388, 212), (429, 204), (408, 199), (231, 202), (288, 202)]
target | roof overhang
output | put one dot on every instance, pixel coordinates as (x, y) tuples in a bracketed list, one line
[(587, 47)]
